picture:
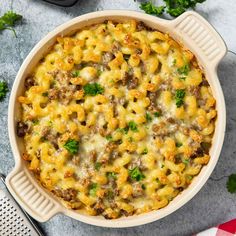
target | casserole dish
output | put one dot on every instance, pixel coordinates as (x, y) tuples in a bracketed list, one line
[(191, 30)]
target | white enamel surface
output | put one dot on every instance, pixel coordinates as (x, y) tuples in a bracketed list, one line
[(36, 200)]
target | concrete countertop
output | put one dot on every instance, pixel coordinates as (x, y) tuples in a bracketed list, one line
[(213, 204)]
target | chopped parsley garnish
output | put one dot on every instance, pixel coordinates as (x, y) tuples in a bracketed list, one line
[(149, 8), (162, 165), (97, 165), (93, 189), (136, 174), (130, 139), (148, 117), (189, 177), (45, 94), (8, 21), (133, 126), (186, 161), (93, 89), (111, 175), (72, 146), (145, 151), (3, 90), (157, 114), (184, 70), (143, 186), (123, 130), (35, 122), (178, 144), (75, 73), (182, 78), (109, 137), (231, 183), (172, 7), (179, 97), (174, 62)]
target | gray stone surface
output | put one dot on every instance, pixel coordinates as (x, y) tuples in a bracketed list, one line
[(213, 204)]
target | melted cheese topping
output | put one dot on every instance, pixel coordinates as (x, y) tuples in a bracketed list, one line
[(117, 119)]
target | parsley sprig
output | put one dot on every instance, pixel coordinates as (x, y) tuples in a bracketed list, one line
[(231, 183), (8, 21), (136, 174), (93, 89), (72, 146), (179, 97), (149, 8), (172, 7), (3, 90)]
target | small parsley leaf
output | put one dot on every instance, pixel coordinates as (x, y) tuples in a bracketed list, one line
[(75, 73), (93, 189), (3, 90), (179, 97), (148, 117), (231, 183), (145, 151), (133, 126), (184, 70), (136, 174), (157, 114), (97, 166), (93, 89), (149, 8), (72, 146)]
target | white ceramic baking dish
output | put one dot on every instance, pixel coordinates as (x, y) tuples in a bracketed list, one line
[(192, 31)]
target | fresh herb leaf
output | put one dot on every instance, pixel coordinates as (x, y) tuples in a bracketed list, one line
[(149, 8), (3, 90), (178, 144), (172, 7), (179, 97), (35, 122), (143, 186), (8, 21), (109, 137), (182, 78), (145, 151), (184, 70), (123, 130), (231, 183), (186, 161), (189, 177), (93, 89), (162, 165), (75, 73), (157, 114), (136, 174), (133, 126), (148, 117), (93, 189), (111, 175), (174, 62), (72, 146), (45, 94), (97, 165), (130, 139)]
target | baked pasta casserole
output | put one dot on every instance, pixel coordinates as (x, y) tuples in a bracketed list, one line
[(117, 119)]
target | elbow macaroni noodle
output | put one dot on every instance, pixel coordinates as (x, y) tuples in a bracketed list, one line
[(136, 139)]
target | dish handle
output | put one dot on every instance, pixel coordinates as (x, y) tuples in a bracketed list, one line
[(203, 38), (30, 197)]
